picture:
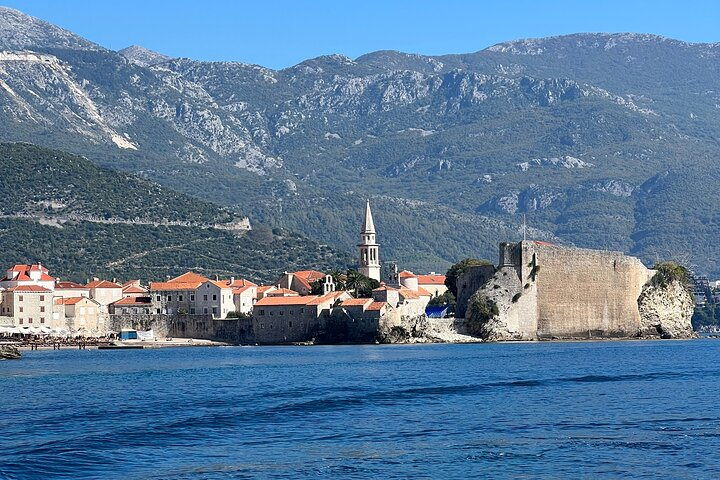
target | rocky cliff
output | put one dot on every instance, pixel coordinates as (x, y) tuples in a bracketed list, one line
[(608, 157), (666, 311)]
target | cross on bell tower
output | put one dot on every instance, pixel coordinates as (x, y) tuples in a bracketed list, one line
[(369, 250)]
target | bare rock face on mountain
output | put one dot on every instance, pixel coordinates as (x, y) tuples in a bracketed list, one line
[(666, 311), (142, 56), (547, 127)]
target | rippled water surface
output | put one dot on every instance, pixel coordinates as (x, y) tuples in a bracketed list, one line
[(589, 410)]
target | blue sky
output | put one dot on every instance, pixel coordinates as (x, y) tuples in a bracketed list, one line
[(278, 34)]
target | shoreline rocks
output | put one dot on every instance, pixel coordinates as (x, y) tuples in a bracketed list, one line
[(9, 352)]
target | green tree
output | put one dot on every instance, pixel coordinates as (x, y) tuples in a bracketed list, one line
[(456, 270), (447, 298), (360, 284)]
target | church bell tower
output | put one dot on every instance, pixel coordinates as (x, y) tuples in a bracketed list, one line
[(369, 249)]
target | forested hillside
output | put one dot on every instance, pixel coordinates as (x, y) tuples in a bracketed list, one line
[(83, 221), (601, 140)]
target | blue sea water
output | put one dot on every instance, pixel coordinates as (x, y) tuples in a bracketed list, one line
[(528, 410)]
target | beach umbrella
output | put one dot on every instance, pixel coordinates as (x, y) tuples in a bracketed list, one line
[(45, 329)]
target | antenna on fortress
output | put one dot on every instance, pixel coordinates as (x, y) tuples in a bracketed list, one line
[(524, 228)]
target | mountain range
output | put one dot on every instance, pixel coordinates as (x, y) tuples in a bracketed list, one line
[(599, 140)]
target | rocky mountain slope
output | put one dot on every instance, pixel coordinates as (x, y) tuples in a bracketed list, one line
[(81, 221), (602, 140)]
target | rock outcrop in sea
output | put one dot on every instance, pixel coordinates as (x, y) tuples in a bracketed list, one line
[(9, 352)]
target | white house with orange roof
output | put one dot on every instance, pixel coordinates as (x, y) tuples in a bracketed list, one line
[(177, 295), (27, 305), (244, 294), (104, 293), (134, 289), (265, 290), (22, 275), (432, 283), (82, 315), (192, 294), (213, 298), (300, 282)]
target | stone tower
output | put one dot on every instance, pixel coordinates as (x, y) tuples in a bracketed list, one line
[(369, 250)]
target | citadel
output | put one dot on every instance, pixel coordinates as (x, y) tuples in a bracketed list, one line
[(537, 291)]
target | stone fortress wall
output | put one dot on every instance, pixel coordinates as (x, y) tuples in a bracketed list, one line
[(545, 291)]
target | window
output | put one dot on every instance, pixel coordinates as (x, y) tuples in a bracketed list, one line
[(262, 325), (214, 297), (290, 324), (158, 299), (281, 313), (205, 310), (42, 309), (20, 298), (205, 298), (21, 309), (291, 312), (30, 320), (262, 312), (214, 310), (42, 298), (180, 298), (125, 310), (42, 319), (169, 298), (20, 321), (192, 298), (157, 311), (192, 310), (302, 309)]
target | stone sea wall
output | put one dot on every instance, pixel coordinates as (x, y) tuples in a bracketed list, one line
[(542, 291), (233, 330)]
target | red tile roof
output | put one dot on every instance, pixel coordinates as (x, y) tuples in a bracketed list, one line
[(330, 297), (282, 292), (72, 300), (309, 275), (69, 286), (102, 284), (241, 290), (189, 277), (134, 289), (23, 273), (29, 288), (219, 283), (133, 301), (356, 302), (409, 294), (431, 279), (423, 293), (173, 286), (406, 274), (240, 283), (376, 306)]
